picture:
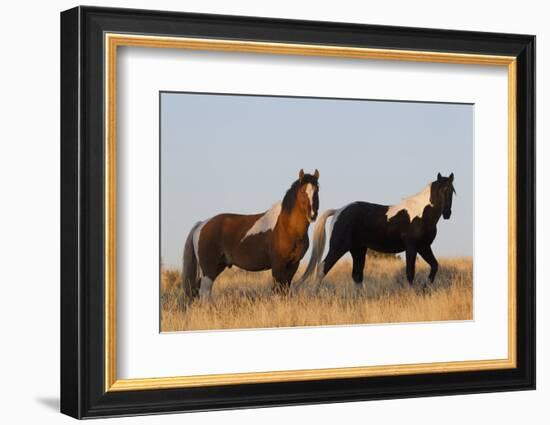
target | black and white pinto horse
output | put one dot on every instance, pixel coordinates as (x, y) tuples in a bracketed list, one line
[(409, 226)]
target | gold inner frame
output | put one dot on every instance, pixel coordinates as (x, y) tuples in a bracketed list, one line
[(113, 41)]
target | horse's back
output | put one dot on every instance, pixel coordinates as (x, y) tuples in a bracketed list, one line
[(366, 224), (361, 212), (229, 225)]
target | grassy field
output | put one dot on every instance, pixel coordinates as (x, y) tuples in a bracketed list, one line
[(245, 299)]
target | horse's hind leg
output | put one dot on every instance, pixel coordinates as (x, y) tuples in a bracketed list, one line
[(359, 256), (207, 282), (334, 254), (205, 290), (340, 243), (410, 254)]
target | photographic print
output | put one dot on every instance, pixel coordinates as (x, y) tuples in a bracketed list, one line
[(295, 211), (238, 185)]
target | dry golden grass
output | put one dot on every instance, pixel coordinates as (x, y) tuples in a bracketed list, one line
[(245, 299)]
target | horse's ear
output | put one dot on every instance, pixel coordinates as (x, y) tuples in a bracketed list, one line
[(451, 177), (316, 173), (438, 176), (301, 174)]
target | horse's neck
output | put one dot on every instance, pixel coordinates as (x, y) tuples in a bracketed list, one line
[(432, 218), (294, 223), (423, 199)]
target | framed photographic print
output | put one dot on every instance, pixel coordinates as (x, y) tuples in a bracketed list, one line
[(261, 212)]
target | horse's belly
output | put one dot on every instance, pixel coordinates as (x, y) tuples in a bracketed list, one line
[(388, 246), (251, 258), (383, 239), (252, 265)]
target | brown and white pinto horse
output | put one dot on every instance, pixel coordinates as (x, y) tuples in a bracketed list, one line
[(276, 239)]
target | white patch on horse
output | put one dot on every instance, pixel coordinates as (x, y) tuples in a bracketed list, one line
[(266, 222), (205, 291), (310, 190), (414, 205)]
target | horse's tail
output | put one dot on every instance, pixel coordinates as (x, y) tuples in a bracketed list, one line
[(190, 273), (319, 238)]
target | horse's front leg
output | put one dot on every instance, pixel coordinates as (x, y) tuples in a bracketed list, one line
[(291, 271), (283, 274), (427, 254), (410, 253), (279, 278)]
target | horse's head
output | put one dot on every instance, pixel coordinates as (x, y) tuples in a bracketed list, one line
[(442, 194), (307, 194)]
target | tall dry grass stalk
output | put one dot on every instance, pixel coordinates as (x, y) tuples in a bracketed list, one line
[(246, 300)]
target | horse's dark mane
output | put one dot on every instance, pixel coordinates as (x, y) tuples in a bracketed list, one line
[(290, 195)]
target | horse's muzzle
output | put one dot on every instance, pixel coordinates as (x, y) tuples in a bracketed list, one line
[(447, 214), (313, 216)]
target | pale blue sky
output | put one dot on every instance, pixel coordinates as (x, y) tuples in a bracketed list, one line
[(231, 153)]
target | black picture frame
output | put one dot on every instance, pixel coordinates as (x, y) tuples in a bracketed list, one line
[(83, 392)]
